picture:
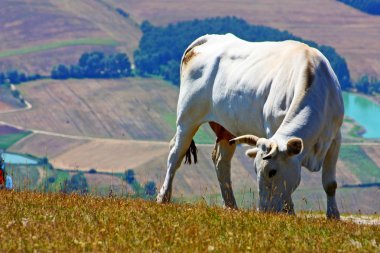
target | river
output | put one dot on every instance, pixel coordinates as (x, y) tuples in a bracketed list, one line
[(363, 111)]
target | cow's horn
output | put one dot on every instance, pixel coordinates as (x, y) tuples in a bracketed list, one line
[(248, 139), (273, 151)]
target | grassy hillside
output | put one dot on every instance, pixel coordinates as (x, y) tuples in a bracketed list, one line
[(115, 125), (353, 34), (40, 34), (56, 222)]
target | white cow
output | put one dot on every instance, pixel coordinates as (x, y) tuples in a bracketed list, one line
[(286, 93)]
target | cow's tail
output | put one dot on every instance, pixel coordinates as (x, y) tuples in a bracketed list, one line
[(191, 151)]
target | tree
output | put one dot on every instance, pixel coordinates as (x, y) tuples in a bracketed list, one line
[(150, 188), (118, 65), (161, 48), (60, 72), (76, 71), (78, 183), (3, 78), (92, 64), (368, 6), (129, 176), (13, 76)]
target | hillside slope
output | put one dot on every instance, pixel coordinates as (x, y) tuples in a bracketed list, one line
[(36, 35), (70, 223), (115, 125), (354, 34)]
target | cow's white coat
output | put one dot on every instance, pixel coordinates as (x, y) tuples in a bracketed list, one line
[(274, 90)]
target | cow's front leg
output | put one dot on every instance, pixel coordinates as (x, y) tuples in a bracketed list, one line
[(178, 147), (328, 178), (222, 156)]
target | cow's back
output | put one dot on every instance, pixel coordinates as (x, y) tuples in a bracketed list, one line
[(260, 88)]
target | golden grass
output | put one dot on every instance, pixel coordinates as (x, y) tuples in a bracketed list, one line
[(54, 222)]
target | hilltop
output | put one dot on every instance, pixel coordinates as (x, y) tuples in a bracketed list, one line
[(353, 34), (65, 29), (57, 222), (36, 35)]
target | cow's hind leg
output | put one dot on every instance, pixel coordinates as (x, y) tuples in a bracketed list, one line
[(181, 145), (328, 178), (221, 156)]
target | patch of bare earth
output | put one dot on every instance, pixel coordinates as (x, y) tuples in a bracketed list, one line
[(109, 156), (41, 145)]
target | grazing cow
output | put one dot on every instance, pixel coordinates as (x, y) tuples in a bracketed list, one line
[(283, 98)]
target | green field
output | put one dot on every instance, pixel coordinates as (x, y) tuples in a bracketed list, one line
[(58, 222), (360, 163), (8, 140), (59, 44)]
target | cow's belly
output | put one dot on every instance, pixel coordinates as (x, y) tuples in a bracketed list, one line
[(239, 117)]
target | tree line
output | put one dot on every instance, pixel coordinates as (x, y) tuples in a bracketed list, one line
[(368, 6), (368, 85), (95, 65), (161, 48), (90, 65), (16, 77)]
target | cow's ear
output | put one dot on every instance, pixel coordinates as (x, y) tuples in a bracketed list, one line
[(294, 146), (251, 152)]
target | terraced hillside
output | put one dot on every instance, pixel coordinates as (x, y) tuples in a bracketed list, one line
[(36, 35), (126, 109), (354, 34)]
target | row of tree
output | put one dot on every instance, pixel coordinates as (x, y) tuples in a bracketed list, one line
[(16, 77), (368, 6), (368, 85), (90, 65), (76, 184), (95, 65), (148, 191), (161, 48)]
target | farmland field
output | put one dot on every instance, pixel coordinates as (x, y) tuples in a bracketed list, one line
[(57, 222), (54, 32), (123, 109), (353, 34), (10, 135), (55, 45), (329, 22)]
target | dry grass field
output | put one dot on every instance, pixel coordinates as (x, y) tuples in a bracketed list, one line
[(354, 34), (60, 223)]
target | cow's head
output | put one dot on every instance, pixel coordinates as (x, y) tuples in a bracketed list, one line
[(278, 170)]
